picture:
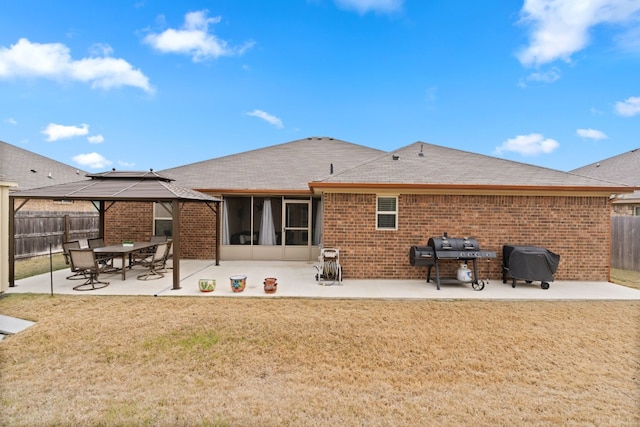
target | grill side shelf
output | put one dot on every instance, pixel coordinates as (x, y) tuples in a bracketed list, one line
[(465, 255)]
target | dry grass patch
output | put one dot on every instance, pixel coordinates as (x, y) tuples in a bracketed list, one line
[(627, 278), (97, 360), (28, 267)]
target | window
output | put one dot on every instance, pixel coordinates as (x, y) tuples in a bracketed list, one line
[(387, 213), (636, 210), (162, 219)]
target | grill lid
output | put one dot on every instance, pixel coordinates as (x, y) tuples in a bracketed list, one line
[(445, 243)]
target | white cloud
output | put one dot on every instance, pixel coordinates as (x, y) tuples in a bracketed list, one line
[(630, 40), (542, 76), (194, 39), (364, 6), (53, 61), (95, 139), (266, 117), (528, 145), (11, 121), (92, 161), (101, 49), (629, 107), (591, 134), (559, 28), (55, 131)]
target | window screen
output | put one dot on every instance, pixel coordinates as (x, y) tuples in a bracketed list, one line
[(387, 213)]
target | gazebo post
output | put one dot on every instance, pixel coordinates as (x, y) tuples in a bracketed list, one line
[(218, 229), (175, 209), (12, 242), (101, 221)]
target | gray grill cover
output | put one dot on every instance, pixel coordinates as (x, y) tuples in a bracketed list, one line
[(530, 262)]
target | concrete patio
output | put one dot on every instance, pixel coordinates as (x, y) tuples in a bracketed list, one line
[(297, 280)]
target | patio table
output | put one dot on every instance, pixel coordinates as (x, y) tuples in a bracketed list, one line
[(122, 251)]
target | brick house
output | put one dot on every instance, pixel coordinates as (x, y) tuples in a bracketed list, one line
[(283, 202), (623, 168)]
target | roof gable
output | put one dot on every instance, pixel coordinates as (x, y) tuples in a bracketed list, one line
[(427, 164)]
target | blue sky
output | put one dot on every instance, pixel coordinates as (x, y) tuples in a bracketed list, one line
[(134, 85)]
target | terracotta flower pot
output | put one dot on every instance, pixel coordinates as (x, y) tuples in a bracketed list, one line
[(238, 283), (270, 285)]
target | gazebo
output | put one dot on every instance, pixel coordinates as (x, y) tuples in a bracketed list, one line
[(105, 189)]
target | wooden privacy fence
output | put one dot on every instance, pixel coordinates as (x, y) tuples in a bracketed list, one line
[(625, 242), (34, 231)]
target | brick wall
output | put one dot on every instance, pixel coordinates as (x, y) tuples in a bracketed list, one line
[(576, 228), (623, 209), (128, 221), (197, 229), (134, 221)]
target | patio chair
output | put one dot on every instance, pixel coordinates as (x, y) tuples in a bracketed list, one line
[(104, 260), (167, 257), (77, 274), (85, 261), (141, 256), (98, 242), (154, 263)]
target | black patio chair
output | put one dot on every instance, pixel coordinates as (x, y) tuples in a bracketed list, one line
[(85, 261)]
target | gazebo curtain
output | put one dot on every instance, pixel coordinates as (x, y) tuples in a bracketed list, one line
[(267, 227)]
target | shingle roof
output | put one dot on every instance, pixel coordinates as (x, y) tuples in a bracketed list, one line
[(426, 164), (284, 167), (623, 168), (31, 170)]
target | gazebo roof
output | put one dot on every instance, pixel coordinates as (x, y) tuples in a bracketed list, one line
[(118, 186)]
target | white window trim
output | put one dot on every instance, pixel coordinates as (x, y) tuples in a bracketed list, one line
[(395, 213), (159, 217)]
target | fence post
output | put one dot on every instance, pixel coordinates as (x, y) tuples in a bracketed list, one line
[(67, 226)]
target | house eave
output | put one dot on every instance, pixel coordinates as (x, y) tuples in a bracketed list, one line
[(471, 189), (249, 191)]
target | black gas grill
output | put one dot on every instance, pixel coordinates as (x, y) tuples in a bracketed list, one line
[(443, 248), (529, 263)]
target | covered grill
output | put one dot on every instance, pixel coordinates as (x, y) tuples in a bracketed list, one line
[(529, 263), (449, 248)]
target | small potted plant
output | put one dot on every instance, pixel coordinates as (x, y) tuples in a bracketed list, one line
[(127, 243)]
